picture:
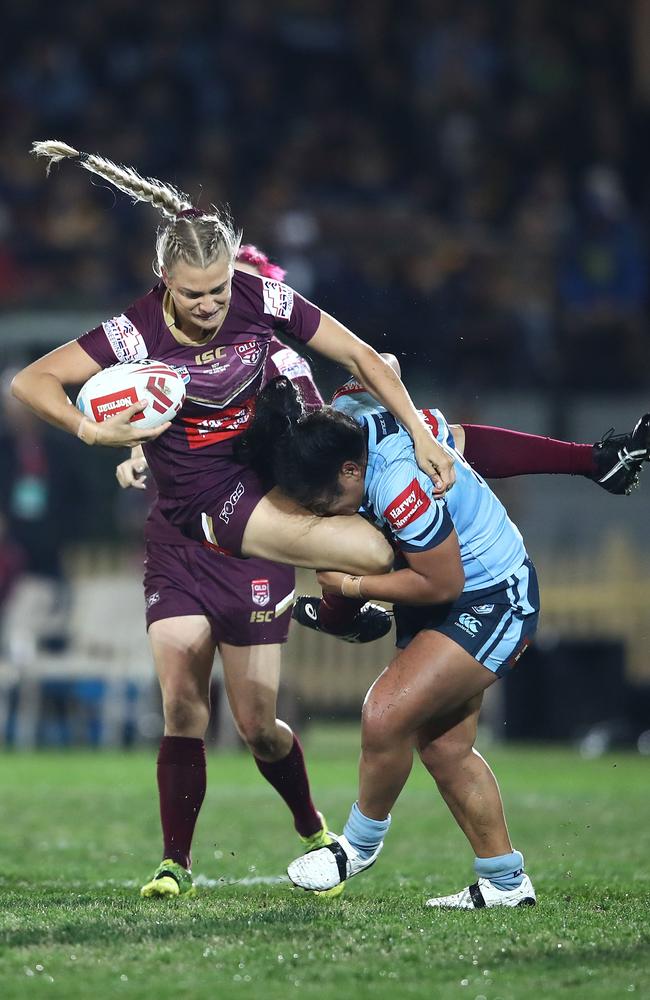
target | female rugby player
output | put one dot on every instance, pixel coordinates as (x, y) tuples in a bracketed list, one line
[(215, 324), (197, 601), (466, 606), (613, 463)]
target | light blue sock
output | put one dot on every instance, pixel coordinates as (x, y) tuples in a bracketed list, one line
[(363, 833), (506, 871)]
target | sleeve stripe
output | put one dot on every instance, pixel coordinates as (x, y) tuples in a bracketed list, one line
[(445, 530), (433, 526)]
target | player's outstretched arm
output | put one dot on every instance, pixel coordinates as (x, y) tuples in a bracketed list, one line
[(337, 343)]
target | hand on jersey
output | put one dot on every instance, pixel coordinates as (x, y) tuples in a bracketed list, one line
[(435, 461), (119, 432)]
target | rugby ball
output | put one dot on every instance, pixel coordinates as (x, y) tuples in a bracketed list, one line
[(115, 389)]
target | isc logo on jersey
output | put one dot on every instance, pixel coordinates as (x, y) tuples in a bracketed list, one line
[(278, 298), (408, 506)]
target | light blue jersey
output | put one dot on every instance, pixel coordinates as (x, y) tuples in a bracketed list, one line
[(400, 496)]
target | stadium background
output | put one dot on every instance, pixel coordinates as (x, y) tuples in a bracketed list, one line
[(464, 184)]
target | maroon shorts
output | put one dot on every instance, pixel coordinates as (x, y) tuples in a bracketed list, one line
[(217, 517), (248, 602)]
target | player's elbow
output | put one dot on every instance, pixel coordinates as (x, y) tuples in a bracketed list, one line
[(447, 589), (455, 584), (19, 386), (391, 360)]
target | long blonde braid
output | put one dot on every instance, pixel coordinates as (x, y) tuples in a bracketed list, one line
[(196, 237)]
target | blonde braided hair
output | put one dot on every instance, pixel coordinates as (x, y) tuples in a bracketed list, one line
[(196, 237)]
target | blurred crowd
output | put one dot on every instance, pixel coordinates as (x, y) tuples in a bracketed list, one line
[(464, 181), (461, 182)]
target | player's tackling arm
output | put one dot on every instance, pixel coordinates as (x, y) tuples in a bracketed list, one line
[(434, 576)]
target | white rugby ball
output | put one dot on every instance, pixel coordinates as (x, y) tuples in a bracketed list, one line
[(115, 389)]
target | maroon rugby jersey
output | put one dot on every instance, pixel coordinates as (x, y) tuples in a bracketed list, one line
[(222, 374), (280, 360)]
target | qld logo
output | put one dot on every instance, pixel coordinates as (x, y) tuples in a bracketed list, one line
[(260, 592), (250, 352)]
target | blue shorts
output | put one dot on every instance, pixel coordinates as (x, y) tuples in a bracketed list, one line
[(494, 625)]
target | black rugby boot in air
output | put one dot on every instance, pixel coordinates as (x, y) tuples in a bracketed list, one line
[(370, 623), (619, 457)]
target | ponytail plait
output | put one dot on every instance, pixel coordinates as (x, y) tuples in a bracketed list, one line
[(165, 197), (301, 454), (195, 237), (278, 410)]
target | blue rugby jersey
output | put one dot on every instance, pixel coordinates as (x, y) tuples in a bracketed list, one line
[(400, 496)]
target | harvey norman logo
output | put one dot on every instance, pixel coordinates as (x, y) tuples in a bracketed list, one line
[(408, 506), (104, 407)]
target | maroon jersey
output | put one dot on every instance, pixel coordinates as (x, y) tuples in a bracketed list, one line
[(280, 360), (222, 374)]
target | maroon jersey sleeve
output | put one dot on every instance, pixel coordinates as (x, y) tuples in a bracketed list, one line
[(283, 360), (289, 312), (123, 338)]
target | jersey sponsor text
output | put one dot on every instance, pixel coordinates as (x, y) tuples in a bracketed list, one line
[(104, 407), (127, 342), (408, 506), (278, 298), (204, 431), (228, 508)]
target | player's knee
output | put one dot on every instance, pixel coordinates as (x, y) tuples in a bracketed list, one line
[(260, 736), (444, 756), (378, 556), (378, 731), (184, 712)]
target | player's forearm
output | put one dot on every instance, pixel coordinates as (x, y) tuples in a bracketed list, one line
[(46, 397), (404, 586), (385, 385)]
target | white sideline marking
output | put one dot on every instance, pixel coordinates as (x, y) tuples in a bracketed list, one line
[(201, 880), (215, 883)]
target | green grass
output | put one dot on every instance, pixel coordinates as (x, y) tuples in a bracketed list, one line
[(79, 833)]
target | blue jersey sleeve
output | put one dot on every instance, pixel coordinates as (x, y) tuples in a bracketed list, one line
[(402, 497)]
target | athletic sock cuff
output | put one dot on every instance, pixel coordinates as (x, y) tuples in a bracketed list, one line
[(501, 866), (188, 750), (364, 833)]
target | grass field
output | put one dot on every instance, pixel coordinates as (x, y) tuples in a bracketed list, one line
[(79, 833)]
